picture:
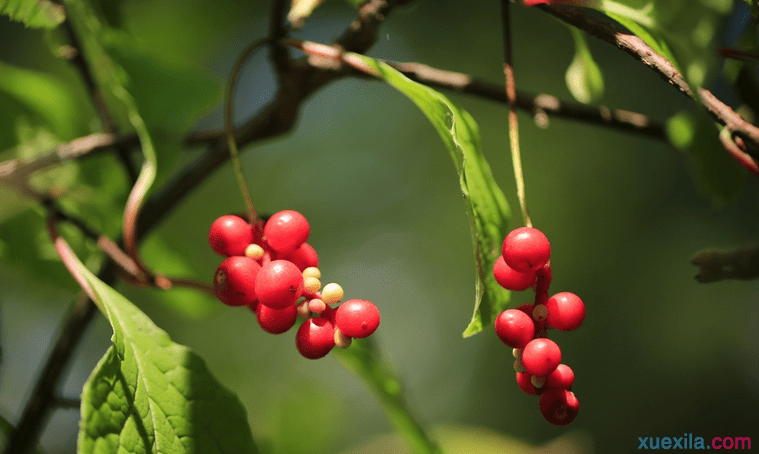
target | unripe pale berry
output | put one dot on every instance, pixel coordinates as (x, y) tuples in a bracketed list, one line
[(332, 293), (315, 338), (526, 249), (510, 279), (514, 328), (229, 235), (341, 340), (566, 311), (235, 280), (563, 377), (276, 321), (312, 284), (541, 356), (559, 406), (357, 318), (312, 271), (255, 251), (279, 284), (286, 231)]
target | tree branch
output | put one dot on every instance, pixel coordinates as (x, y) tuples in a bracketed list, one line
[(641, 51), (621, 120)]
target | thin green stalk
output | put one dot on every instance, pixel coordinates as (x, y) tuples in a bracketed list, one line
[(511, 95), (364, 360), (229, 128)]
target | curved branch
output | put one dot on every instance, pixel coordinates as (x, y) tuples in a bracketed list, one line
[(641, 51)]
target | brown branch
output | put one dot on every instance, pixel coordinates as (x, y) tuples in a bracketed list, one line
[(641, 51), (541, 104), (75, 54), (742, 263)]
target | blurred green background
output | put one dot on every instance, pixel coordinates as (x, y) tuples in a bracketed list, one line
[(658, 355)]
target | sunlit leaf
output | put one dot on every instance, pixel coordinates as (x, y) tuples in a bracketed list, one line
[(583, 77), (149, 394), (484, 201), (34, 13), (48, 97)]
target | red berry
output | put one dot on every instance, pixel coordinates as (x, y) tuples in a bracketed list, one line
[(526, 249), (279, 284), (286, 230), (303, 257), (230, 235), (515, 328), (357, 318), (562, 377), (276, 321), (235, 281), (524, 380), (559, 406), (315, 338), (566, 311), (511, 279), (541, 356)]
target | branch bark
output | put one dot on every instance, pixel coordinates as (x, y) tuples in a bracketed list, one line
[(641, 51)]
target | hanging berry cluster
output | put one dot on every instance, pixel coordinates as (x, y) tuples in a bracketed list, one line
[(524, 264), (273, 271)]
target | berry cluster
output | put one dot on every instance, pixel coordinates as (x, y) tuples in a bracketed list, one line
[(524, 264), (273, 271)]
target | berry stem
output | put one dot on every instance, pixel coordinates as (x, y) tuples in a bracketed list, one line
[(229, 128), (511, 95)]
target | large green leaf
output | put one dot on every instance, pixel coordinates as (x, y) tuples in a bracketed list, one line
[(485, 203), (34, 13), (48, 97), (149, 394)]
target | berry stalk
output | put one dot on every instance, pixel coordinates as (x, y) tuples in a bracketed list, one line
[(229, 129)]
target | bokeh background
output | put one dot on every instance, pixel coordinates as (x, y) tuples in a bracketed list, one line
[(658, 355)]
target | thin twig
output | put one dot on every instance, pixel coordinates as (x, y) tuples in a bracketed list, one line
[(77, 58), (511, 95), (550, 105)]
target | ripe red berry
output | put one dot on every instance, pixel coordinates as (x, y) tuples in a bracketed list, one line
[(524, 380), (559, 406), (562, 377), (303, 257), (526, 249), (229, 235), (315, 338), (515, 328), (566, 311), (541, 356), (279, 284), (235, 280), (510, 279), (357, 318), (276, 321), (286, 231)]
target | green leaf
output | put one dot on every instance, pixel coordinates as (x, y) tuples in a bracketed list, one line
[(583, 77), (34, 13), (149, 394), (484, 201), (48, 97), (364, 360), (714, 171)]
